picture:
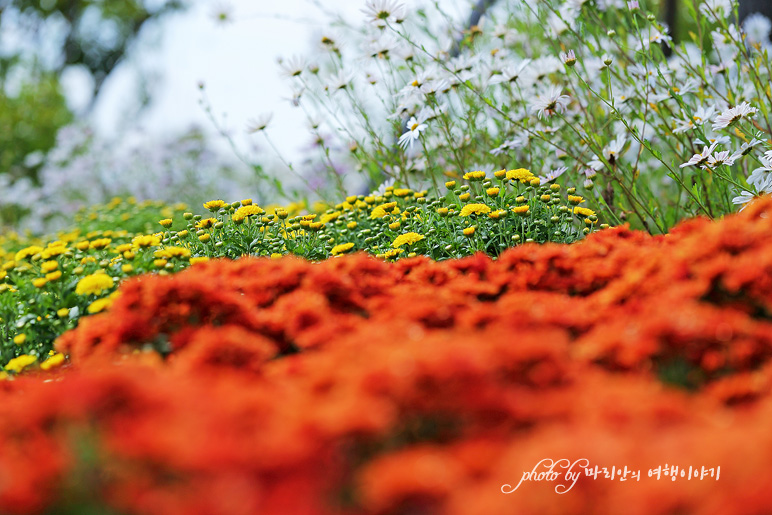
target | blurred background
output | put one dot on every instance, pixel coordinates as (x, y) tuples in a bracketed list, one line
[(134, 97)]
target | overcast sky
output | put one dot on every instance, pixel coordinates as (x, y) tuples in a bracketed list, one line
[(236, 61)]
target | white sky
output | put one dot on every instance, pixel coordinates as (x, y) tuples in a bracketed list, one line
[(236, 61)]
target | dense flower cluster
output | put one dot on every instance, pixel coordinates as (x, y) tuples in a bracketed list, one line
[(359, 386)]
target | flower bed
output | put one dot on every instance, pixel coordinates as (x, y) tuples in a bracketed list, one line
[(360, 386)]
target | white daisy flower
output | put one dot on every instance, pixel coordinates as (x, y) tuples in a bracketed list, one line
[(510, 73), (259, 124), (381, 12), (759, 174), (763, 188), (554, 174), (414, 130), (293, 66), (716, 8), (730, 116), (338, 81), (569, 59), (550, 102), (615, 149), (757, 28), (701, 158), (721, 158)]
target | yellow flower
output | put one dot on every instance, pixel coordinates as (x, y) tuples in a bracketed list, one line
[(329, 217), (500, 174), (382, 210), (391, 253), (407, 239), (276, 255), (49, 266), (583, 211), (39, 282), (204, 238), (172, 252), (469, 231), (351, 225), (61, 313), (402, 192), (200, 259), (575, 199), (450, 185), (476, 209), (214, 205), (534, 182), (100, 243), (53, 362), (246, 202), (19, 339), (99, 305), (520, 174), (497, 214), (82, 245), (206, 223), (27, 252), (464, 197), (166, 222), (474, 176), (182, 233), (20, 363), (160, 263), (546, 198), (146, 240), (340, 249), (54, 250), (127, 268), (492, 192), (395, 225), (94, 284), (521, 210), (246, 211), (442, 211), (53, 276)]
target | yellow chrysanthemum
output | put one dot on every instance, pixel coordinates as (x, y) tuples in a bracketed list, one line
[(61, 313), (94, 284), (49, 266), (408, 238), (382, 210), (475, 209), (200, 259), (329, 217), (166, 222), (464, 196), (469, 231), (53, 276), (500, 174), (146, 240), (39, 282), (402, 192), (340, 249), (520, 174), (100, 243), (214, 205), (206, 223), (172, 252), (575, 199), (20, 363), (19, 339), (521, 210), (99, 305), (27, 252), (53, 361), (53, 250), (492, 192), (583, 211), (247, 211), (474, 176)]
